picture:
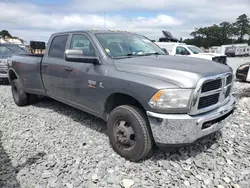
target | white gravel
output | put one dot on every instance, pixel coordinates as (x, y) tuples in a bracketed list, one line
[(52, 145)]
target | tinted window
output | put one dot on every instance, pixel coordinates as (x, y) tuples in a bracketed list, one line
[(57, 47), (182, 51), (83, 43)]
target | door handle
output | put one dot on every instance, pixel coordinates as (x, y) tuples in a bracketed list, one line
[(68, 68), (45, 64)]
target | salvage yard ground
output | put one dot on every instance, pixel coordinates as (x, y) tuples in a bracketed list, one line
[(50, 144)]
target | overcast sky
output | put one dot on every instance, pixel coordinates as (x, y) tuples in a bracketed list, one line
[(37, 19)]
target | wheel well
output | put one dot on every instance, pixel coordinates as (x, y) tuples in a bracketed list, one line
[(118, 99), (12, 75)]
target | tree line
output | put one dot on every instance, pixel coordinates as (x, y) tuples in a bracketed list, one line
[(5, 33), (221, 34)]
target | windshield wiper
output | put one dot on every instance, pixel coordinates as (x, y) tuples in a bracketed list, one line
[(143, 54), (126, 56), (152, 53), (136, 55)]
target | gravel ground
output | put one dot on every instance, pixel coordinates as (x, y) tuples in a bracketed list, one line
[(52, 145)]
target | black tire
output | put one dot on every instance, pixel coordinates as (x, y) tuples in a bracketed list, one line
[(19, 95), (142, 147), (21, 98)]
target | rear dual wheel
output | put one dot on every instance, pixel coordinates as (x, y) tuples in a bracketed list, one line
[(129, 133), (21, 98)]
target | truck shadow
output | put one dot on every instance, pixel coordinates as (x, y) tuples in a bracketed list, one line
[(8, 173), (4, 82), (99, 125), (76, 115)]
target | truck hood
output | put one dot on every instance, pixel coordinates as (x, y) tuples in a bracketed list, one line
[(184, 72)]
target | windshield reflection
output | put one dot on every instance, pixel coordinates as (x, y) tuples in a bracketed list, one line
[(119, 45)]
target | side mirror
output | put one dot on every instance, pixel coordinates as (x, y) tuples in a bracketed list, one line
[(75, 55), (166, 52)]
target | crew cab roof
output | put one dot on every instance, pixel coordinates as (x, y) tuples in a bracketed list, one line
[(94, 32)]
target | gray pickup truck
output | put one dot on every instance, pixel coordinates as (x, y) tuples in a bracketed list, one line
[(146, 97)]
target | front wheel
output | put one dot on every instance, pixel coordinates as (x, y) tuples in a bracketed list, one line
[(129, 133)]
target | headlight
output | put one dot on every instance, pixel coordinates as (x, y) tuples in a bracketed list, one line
[(171, 98), (3, 61)]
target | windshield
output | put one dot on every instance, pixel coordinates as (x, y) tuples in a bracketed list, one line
[(18, 49), (195, 49), (8, 50), (122, 44)]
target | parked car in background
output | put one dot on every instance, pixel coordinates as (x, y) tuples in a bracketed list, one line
[(243, 72), (182, 49), (145, 96), (7, 51)]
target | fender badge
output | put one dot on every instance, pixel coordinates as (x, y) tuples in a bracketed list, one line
[(100, 85), (91, 84)]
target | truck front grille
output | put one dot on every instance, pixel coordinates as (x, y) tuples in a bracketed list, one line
[(228, 92), (211, 85), (211, 93), (208, 100), (229, 79)]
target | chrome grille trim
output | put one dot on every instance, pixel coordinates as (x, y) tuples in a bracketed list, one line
[(222, 91)]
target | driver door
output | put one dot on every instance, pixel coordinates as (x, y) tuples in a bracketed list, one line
[(77, 75)]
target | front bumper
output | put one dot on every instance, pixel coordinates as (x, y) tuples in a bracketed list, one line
[(178, 129)]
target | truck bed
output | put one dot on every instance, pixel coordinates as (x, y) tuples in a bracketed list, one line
[(28, 68)]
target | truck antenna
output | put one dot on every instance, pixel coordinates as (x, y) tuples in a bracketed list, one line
[(105, 20)]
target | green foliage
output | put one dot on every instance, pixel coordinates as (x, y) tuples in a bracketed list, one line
[(224, 33), (5, 33)]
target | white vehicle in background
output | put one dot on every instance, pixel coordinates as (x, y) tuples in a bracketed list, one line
[(239, 51), (182, 49), (248, 50), (174, 47), (215, 49)]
